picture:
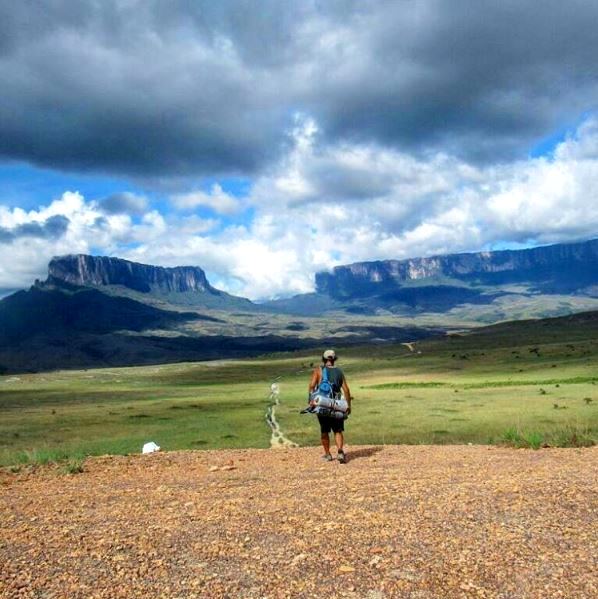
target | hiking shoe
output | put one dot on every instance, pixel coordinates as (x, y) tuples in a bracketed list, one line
[(327, 457), (342, 458)]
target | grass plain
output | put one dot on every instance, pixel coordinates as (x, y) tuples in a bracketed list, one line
[(526, 384)]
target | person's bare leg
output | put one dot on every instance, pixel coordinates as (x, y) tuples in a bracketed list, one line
[(339, 440), (325, 443)]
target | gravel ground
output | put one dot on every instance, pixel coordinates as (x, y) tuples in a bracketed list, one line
[(395, 521)]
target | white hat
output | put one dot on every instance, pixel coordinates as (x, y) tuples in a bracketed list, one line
[(329, 353)]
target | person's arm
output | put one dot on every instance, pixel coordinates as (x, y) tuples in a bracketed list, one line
[(315, 380), (347, 394), (313, 384)]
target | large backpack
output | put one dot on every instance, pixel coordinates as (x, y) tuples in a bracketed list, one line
[(325, 387), (325, 402)]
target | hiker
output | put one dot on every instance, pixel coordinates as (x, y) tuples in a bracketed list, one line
[(327, 423)]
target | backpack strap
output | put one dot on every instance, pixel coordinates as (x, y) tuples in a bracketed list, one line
[(325, 374)]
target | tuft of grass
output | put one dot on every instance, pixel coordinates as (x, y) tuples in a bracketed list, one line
[(512, 437), (534, 439), (71, 462), (516, 438), (42, 456), (73, 466), (573, 436), (568, 436)]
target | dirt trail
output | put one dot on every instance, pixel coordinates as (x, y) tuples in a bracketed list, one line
[(278, 440), (395, 521)]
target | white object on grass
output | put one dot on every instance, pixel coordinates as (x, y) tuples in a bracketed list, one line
[(150, 447)]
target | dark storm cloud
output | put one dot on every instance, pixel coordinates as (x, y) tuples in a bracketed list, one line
[(129, 88), (477, 79), (123, 203), (52, 228), (148, 88)]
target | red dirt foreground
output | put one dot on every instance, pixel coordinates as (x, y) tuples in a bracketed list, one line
[(393, 522)]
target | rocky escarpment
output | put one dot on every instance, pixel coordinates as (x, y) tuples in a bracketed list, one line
[(84, 270), (555, 268)]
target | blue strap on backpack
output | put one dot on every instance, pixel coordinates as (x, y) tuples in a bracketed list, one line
[(325, 387)]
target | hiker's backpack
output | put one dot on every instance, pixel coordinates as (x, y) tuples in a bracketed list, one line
[(324, 401), (325, 389)]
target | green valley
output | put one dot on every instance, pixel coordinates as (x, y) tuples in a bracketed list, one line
[(528, 384)]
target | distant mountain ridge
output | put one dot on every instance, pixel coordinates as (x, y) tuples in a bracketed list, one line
[(105, 311), (482, 287), (85, 270), (554, 268), (435, 283), (178, 285)]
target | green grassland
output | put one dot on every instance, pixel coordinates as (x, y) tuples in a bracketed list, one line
[(524, 384)]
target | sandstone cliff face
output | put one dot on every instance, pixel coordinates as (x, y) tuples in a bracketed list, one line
[(102, 270), (577, 261)]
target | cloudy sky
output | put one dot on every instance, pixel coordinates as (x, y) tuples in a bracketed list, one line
[(266, 140)]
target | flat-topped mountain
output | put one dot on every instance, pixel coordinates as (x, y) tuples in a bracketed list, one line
[(97, 310), (179, 285), (480, 287), (551, 269), (84, 270)]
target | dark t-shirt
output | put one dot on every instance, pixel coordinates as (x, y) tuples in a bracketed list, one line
[(335, 377)]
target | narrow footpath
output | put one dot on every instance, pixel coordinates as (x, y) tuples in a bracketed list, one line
[(278, 439)]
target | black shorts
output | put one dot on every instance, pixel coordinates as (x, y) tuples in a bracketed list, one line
[(328, 424)]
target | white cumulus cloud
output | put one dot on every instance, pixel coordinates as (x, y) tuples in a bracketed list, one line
[(216, 199), (325, 205)]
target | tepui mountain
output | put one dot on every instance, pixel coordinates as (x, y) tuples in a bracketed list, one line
[(99, 310)]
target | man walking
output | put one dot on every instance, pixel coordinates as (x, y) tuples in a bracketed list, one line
[(337, 379)]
